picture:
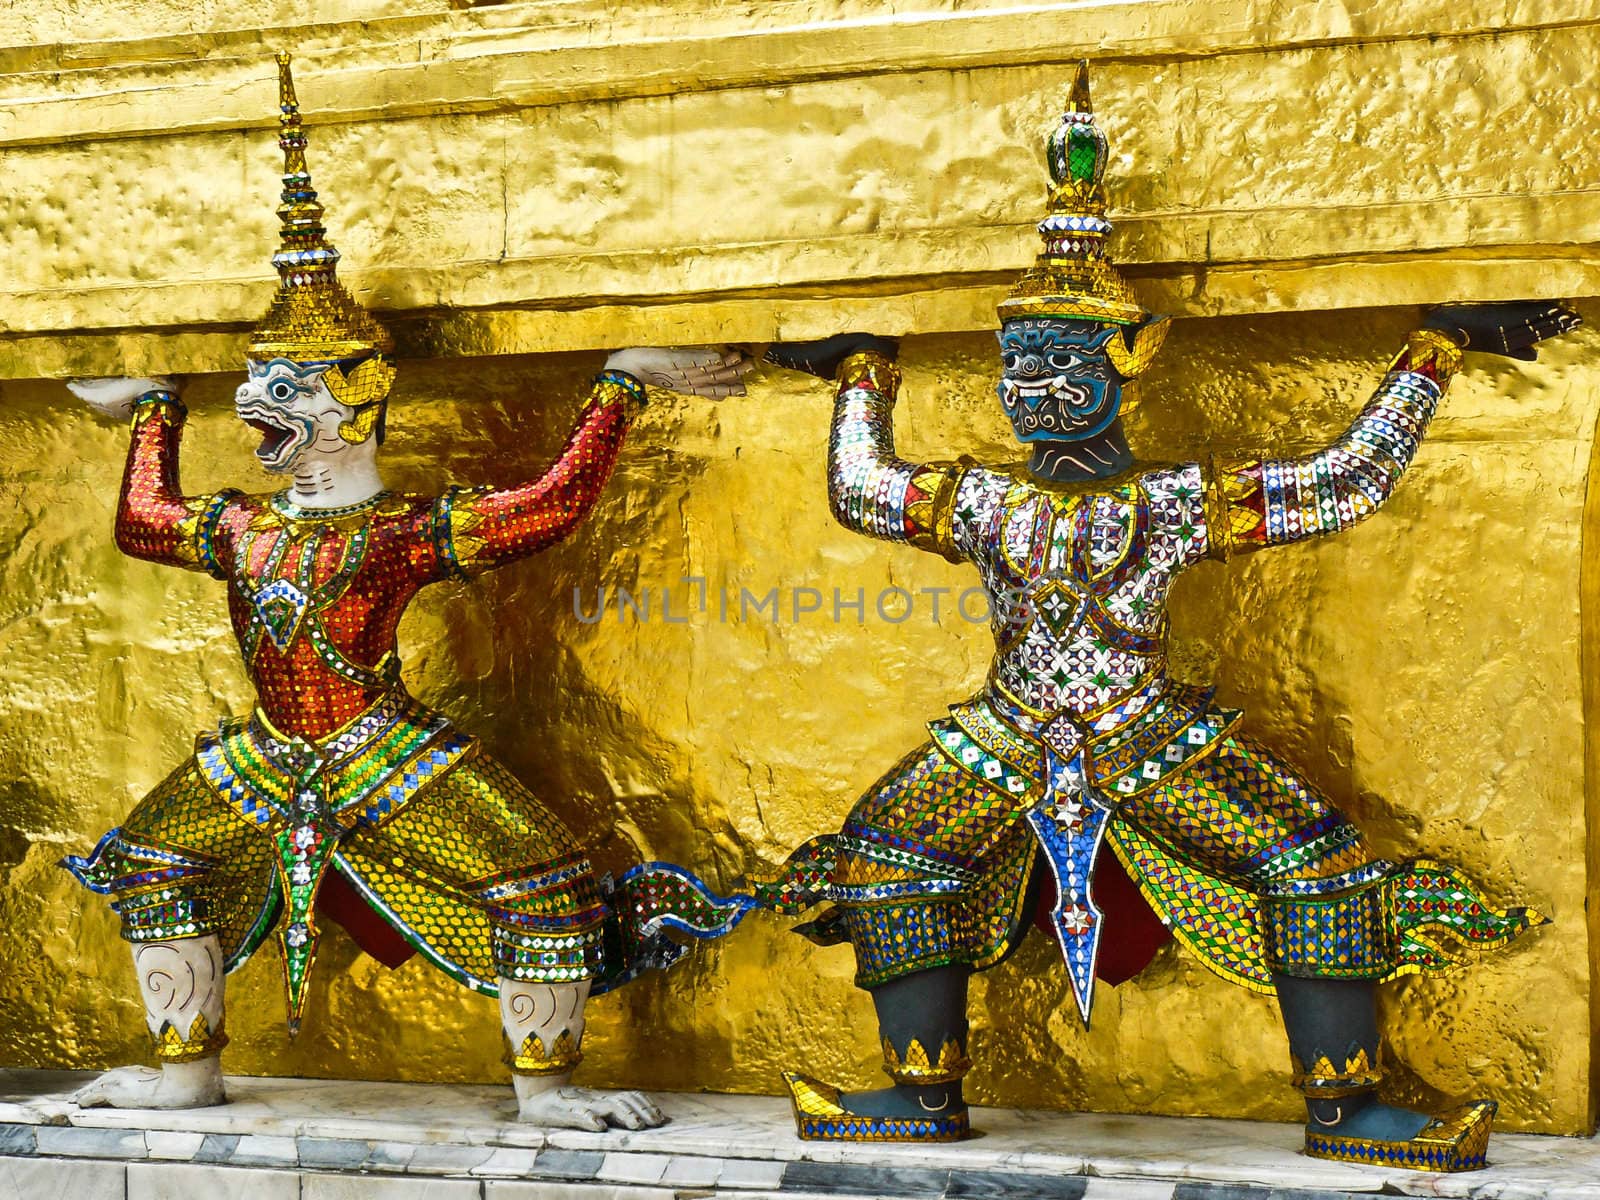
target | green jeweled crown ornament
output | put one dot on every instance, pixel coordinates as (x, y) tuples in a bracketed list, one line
[(1074, 278)]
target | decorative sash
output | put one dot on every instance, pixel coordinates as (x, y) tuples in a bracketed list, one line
[(1070, 823), (1067, 773), (306, 795)]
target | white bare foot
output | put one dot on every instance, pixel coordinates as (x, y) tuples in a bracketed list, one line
[(175, 1085), (585, 1108)]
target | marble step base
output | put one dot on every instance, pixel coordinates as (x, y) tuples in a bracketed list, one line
[(299, 1139)]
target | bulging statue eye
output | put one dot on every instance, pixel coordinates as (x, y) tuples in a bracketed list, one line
[(1063, 360), (282, 390)]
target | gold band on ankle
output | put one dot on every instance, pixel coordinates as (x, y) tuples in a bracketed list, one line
[(533, 1059), (1325, 1081), (916, 1069), (172, 1046)]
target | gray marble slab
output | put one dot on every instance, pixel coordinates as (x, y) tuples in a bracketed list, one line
[(43, 1178), (416, 1136)]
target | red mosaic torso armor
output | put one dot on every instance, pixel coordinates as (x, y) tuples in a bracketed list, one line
[(316, 595)]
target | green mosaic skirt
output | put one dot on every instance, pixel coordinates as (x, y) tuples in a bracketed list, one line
[(471, 870), (1251, 869)]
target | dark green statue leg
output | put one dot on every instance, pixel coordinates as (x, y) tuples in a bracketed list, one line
[(1315, 944), (1333, 1035), (922, 1022)]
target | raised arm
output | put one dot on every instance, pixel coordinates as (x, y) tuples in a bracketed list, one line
[(478, 528), (155, 520), (870, 488), (1254, 503)]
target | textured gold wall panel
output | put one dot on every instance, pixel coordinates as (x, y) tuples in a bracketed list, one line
[(534, 177), (1423, 669)]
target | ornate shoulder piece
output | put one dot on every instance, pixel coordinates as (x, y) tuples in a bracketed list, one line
[(455, 522), (1235, 506), (931, 505), (201, 530)]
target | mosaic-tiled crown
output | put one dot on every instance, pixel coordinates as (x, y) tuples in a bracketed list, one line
[(312, 318), (1072, 276)]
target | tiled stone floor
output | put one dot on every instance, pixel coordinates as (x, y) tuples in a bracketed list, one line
[(297, 1139)]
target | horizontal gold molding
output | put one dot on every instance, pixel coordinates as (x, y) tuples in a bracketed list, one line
[(1179, 245), (535, 176), (531, 55), (938, 306)]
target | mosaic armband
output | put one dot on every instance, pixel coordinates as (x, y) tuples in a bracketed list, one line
[(1251, 503), (870, 489), (146, 406)]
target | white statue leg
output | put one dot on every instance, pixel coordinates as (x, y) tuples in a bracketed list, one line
[(544, 1027), (181, 983)]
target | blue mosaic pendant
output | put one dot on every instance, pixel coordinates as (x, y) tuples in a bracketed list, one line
[(1070, 823)]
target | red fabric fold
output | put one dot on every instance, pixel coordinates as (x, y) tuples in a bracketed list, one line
[(341, 903), (1131, 932)]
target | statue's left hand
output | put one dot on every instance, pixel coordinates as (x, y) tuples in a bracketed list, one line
[(1509, 329), (714, 371), (823, 357), (115, 397)]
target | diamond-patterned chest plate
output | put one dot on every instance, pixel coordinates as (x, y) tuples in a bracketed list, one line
[(1078, 580), (316, 603)]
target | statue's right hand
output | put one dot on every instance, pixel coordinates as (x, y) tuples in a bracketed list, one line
[(115, 397), (1510, 330), (822, 358)]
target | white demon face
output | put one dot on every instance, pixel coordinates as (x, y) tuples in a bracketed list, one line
[(290, 406)]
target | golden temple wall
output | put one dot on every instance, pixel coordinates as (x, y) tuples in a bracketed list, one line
[(517, 185)]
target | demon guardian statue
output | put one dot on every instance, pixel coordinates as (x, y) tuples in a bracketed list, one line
[(340, 786), (1081, 744)]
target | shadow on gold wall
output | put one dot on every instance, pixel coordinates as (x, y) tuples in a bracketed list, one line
[(1424, 670)]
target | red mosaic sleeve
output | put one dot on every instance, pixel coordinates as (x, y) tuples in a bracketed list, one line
[(155, 520), (478, 529)]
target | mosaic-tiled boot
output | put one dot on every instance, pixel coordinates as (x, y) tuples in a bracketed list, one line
[(923, 1023), (1337, 1056)]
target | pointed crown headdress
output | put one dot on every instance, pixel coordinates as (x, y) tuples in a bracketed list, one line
[(1073, 278), (313, 317)]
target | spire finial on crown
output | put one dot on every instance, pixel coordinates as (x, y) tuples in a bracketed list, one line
[(1073, 278), (1080, 89), (312, 318)]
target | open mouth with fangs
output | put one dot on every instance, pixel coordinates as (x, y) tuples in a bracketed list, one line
[(279, 440), (1031, 392), (273, 438)]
